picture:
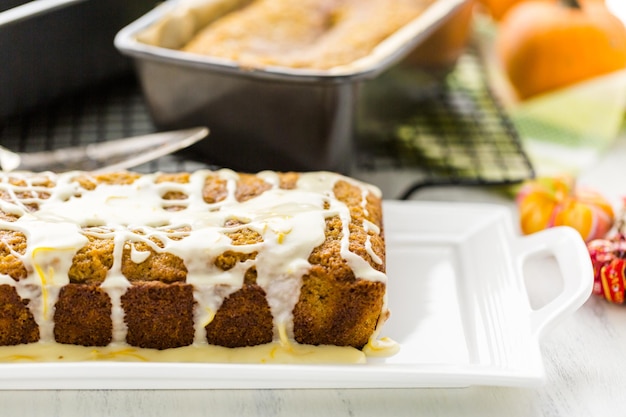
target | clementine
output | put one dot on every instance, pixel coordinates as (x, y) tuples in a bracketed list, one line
[(544, 46)]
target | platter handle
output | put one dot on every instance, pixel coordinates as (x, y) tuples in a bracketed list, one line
[(574, 263)]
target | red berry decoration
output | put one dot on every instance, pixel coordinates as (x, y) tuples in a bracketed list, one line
[(612, 278), (601, 252), (608, 257)]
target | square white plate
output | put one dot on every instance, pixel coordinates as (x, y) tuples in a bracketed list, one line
[(460, 311)]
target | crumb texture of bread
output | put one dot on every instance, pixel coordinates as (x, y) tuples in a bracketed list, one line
[(162, 261), (83, 316), (17, 324)]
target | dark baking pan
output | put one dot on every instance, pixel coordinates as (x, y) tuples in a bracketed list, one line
[(52, 47)]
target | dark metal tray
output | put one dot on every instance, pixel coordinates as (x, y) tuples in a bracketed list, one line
[(50, 48)]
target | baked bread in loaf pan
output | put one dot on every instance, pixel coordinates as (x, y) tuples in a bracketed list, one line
[(162, 261), (276, 81)]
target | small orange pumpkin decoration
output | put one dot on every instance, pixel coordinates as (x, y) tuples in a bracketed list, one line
[(549, 202), (544, 46)]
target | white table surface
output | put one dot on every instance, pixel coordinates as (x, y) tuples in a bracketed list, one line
[(584, 356)]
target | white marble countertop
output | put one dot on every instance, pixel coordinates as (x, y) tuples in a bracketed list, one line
[(584, 357)]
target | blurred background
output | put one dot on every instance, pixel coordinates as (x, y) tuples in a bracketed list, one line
[(450, 109)]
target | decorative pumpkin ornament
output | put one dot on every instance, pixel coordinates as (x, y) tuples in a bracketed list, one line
[(549, 202), (544, 46)]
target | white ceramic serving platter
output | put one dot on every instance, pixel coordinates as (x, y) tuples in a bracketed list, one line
[(460, 312)]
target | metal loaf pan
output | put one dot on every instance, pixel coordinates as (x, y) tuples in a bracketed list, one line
[(50, 48), (271, 118)]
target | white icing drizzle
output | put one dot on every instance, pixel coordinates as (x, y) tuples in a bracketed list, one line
[(290, 222), (138, 256), (371, 227)]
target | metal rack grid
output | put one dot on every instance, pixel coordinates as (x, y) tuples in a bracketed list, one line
[(439, 130), (429, 130), (112, 110)]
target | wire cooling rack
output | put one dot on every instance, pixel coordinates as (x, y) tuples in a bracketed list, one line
[(420, 129), (413, 129), (112, 110)]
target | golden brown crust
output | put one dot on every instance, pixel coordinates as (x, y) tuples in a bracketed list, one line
[(215, 190), (17, 324), (90, 182), (158, 266), (229, 259), (178, 178), (314, 34), (41, 182), (12, 242), (288, 180), (334, 306), (244, 236), (244, 319), (83, 316), (250, 186), (351, 195), (117, 178), (92, 262), (332, 311), (8, 217), (158, 315), (326, 255)]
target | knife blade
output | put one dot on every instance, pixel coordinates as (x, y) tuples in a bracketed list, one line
[(113, 155)]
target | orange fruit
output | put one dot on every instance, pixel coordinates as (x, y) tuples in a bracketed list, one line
[(545, 46), (498, 8), (448, 41)]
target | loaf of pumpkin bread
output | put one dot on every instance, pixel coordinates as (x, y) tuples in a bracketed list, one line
[(162, 261), (313, 34)]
